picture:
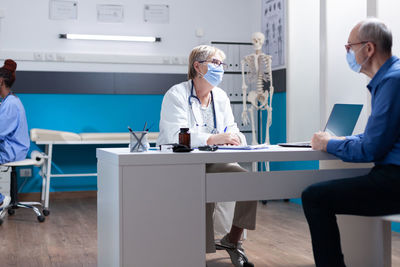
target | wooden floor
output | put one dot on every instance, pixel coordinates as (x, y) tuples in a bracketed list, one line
[(68, 237)]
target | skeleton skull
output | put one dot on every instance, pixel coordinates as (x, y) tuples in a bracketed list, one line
[(258, 39)]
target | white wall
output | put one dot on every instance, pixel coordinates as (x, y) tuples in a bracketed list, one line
[(387, 10), (302, 95), (342, 85), (26, 29), (318, 74)]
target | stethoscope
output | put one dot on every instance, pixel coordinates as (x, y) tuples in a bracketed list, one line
[(214, 131)]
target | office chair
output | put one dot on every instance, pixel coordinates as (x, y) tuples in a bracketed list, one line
[(14, 204)]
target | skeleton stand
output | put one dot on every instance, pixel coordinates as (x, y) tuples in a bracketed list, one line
[(259, 70)]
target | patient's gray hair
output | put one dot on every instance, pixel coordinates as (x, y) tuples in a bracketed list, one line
[(375, 31)]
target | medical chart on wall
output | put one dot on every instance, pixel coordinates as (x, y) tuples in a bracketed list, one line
[(110, 13), (156, 14), (273, 26), (63, 10)]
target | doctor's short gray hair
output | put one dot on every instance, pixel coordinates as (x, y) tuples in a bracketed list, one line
[(200, 53), (375, 31)]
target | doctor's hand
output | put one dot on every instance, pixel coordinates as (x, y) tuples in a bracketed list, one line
[(224, 139), (320, 140)]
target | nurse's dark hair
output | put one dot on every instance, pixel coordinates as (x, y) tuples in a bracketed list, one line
[(375, 31), (7, 72)]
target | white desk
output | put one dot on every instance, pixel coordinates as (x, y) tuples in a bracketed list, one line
[(151, 206)]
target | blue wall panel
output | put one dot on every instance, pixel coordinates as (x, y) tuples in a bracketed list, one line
[(103, 113), (91, 113), (396, 227), (278, 134), (84, 113)]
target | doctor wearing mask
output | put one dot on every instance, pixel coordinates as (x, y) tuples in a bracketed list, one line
[(14, 137), (204, 108)]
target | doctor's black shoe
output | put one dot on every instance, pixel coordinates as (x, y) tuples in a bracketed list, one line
[(236, 252)]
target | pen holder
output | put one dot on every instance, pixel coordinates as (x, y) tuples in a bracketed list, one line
[(138, 142)]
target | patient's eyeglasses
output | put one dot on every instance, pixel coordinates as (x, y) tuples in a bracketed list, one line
[(215, 62), (349, 45)]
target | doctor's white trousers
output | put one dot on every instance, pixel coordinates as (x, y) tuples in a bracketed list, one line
[(245, 211)]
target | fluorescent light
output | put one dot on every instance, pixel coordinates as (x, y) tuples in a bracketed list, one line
[(110, 37)]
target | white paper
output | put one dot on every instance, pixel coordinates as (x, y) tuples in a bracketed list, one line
[(110, 13), (273, 26), (156, 14), (63, 10)]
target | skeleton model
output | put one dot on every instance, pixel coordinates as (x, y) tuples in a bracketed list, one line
[(258, 71)]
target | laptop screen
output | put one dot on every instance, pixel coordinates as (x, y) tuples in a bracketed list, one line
[(343, 119)]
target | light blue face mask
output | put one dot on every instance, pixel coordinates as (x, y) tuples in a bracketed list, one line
[(351, 60), (214, 74)]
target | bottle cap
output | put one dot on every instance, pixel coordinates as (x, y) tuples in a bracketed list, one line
[(184, 130)]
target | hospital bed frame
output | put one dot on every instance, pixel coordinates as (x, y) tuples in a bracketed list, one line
[(50, 138)]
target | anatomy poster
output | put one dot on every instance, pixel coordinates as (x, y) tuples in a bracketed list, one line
[(273, 26)]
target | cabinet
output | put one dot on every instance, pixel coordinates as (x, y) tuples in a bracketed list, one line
[(232, 81)]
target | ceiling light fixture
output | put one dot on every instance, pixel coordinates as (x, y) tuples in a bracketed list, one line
[(97, 37)]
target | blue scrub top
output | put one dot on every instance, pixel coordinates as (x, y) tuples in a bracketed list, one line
[(380, 142), (14, 137)]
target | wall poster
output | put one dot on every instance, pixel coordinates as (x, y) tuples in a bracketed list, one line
[(273, 26), (63, 10)]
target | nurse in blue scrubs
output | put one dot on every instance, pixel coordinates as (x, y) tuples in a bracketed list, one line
[(14, 137)]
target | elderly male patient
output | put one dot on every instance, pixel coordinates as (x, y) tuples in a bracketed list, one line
[(369, 50)]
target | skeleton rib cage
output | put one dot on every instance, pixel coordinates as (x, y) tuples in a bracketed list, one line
[(258, 70)]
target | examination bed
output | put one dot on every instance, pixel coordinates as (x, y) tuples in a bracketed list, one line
[(49, 138)]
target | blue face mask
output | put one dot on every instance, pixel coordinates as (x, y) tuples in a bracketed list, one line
[(351, 60), (214, 74)]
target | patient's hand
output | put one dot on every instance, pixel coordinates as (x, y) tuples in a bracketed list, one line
[(224, 139), (320, 140)]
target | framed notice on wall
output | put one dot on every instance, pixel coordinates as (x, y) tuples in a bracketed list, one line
[(156, 14), (63, 10), (110, 13), (273, 25)]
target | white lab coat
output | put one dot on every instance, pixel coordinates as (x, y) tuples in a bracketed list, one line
[(176, 113)]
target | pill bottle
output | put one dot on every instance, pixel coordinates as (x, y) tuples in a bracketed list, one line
[(184, 137)]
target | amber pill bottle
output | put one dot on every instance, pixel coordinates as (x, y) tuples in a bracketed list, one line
[(184, 137)]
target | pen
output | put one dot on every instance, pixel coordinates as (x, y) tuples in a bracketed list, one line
[(145, 124), (148, 129), (129, 128), (225, 129)]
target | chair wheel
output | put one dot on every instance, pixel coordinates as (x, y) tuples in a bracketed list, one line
[(46, 212), (248, 264), (264, 202), (40, 218), (11, 212)]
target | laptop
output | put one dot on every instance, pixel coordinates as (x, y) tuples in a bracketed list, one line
[(341, 122)]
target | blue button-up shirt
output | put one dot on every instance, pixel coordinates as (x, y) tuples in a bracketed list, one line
[(14, 137), (380, 142)]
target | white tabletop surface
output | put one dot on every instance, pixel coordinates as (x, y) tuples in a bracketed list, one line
[(122, 156)]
